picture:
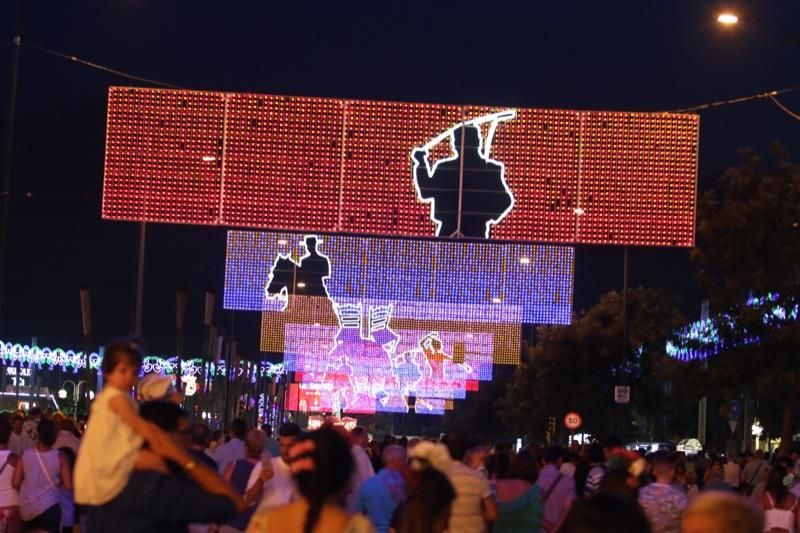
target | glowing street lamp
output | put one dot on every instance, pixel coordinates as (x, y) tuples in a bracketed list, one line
[(727, 19)]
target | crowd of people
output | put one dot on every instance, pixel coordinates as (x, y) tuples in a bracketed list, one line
[(145, 466)]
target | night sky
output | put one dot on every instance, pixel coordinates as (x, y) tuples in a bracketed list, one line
[(625, 55)]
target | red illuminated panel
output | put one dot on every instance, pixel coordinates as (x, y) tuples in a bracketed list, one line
[(377, 165), (282, 162), (539, 150), (633, 178), (164, 156), (325, 165)]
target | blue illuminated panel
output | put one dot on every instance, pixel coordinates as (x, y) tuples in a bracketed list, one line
[(488, 282)]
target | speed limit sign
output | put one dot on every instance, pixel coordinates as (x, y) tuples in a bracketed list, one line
[(572, 421)]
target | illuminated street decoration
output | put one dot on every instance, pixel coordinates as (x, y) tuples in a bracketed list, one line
[(378, 371), (357, 366), (189, 385), (28, 356), (321, 165), (703, 339), (434, 280)]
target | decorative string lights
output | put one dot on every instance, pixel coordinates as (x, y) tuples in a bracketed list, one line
[(707, 338), (28, 356)]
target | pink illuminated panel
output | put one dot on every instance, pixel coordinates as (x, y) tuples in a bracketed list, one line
[(327, 165)]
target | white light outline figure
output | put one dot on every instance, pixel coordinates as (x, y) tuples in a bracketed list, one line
[(483, 151), (283, 294), (379, 317), (348, 322)]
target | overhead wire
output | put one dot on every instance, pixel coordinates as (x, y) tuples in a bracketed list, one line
[(76, 59), (771, 95)]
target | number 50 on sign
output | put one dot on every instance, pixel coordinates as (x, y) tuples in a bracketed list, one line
[(572, 421)]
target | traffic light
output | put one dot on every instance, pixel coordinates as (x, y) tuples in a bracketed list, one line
[(550, 432)]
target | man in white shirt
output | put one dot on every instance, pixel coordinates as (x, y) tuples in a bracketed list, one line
[(363, 469), (66, 437), (17, 442), (233, 450), (474, 505), (275, 488)]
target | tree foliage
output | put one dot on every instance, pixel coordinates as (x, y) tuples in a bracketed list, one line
[(576, 367), (749, 244)]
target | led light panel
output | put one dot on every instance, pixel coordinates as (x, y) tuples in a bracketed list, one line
[(317, 398), (365, 364), (473, 281), (413, 365), (389, 168)]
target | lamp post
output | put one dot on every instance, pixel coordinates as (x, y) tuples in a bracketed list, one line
[(76, 391), (731, 19)]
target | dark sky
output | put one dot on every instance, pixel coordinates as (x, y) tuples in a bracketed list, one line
[(626, 55)]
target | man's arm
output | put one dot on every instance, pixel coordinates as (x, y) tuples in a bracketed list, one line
[(208, 480), (570, 497), (488, 505), (255, 485), (489, 509), (66, 472), (19, 475)]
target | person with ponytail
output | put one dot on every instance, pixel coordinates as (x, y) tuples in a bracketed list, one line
[(322, 466)]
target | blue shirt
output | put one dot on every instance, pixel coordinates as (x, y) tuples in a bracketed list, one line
[(228, 453), (379, 497)]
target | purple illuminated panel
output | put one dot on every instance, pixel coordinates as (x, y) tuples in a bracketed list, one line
[(419, 363)]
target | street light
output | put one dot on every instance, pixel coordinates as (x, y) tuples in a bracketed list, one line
[(727, 18), (76, 390)]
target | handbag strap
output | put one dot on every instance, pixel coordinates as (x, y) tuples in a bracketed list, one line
[(46, 473), (755, 473), (550, 490)]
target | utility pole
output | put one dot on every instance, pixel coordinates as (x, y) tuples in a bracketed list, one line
[(8, 154)]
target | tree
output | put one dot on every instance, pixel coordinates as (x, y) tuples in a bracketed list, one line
[(749, 244), (576, 367)]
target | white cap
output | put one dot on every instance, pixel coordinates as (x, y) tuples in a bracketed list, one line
[(155, 387)]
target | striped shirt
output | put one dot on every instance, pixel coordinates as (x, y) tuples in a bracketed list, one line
[(596, 475), (471, 489)]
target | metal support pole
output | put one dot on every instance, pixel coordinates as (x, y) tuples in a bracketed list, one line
[(8, 154), (621, 381), (86, 319), (180, 319), (137, 313)]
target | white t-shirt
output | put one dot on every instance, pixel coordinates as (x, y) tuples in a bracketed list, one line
[(280, 490), (471, 489), (8, 494), (732, 472), (108, 452), (18, 443)]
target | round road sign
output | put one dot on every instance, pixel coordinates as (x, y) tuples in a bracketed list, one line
[(573, 421)]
